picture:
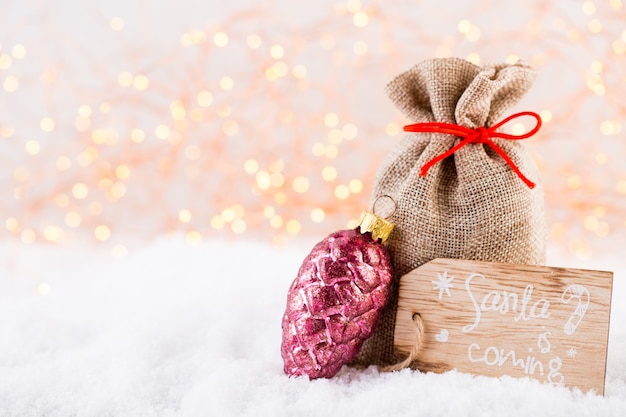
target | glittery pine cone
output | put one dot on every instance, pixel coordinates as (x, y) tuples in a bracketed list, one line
[(334, 304)]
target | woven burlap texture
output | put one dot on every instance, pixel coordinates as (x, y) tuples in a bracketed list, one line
[(470, 205)]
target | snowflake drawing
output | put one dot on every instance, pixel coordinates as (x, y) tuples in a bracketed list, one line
[(571, 352), (444, 283)]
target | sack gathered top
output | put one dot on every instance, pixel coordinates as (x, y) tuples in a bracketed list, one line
[(477, 200)]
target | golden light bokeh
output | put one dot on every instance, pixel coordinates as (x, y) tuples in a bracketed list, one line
[(271, 124)]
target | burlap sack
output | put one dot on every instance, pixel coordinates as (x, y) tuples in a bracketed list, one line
[(469, 206)]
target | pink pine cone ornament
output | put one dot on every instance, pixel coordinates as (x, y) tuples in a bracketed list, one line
[(335, 302)]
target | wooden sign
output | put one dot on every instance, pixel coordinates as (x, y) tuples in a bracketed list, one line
[(492, 319)]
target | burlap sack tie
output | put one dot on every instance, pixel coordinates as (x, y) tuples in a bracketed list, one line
[(471, 204)]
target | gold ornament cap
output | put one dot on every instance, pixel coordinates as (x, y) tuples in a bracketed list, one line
[(379, 227)]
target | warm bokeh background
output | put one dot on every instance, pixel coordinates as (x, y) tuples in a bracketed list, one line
[(123, 121)]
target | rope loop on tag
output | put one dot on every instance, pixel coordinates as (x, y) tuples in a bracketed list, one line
[(419, 335)]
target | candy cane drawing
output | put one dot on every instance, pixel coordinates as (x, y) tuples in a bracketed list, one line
[(580, 293)]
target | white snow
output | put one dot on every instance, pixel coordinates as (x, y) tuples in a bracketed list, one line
[(179, 330)]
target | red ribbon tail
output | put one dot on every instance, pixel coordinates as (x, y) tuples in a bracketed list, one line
[(511, 164)]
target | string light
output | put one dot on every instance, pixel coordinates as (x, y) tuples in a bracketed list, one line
[(329, 173), (95, 208), (193, 37), (589, 7), (254, 41), (32, 147), (193, 237), (178, 110), (349, 131), (299, 71), (193, 152), (277, 52), (220, 39), (331, 119), (227, 83), (269, 212), (280, 198), (140, 82), (102, 232), (10, 84), (28, 236), (116, 191), (12, 225), (137, 135), (204, 98), (263, 180), (251, 166), (360, 19), (573, 181), (595, 26), (217, 222), (293, 227), (318, 149), (6, 131), (277, 179), (546, 116), (80, 191), (44, 288), (276, 222), (474, 58), (353, 6), (392, 129), (317, 215), (18, 51), (53, 234), (73, 219), (355, 186), (342, 192), (238, 226), (224, 111), (119, 251), (116, 24), (162, 132), (230, 127), (301, 185), (464, 26), (61, 200), (184, 216), (334, 136), (5, 61), (511, 59)]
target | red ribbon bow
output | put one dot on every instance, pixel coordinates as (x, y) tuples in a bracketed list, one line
[(479, 135)]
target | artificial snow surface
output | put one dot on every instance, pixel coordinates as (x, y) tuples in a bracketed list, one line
[(179, 330)]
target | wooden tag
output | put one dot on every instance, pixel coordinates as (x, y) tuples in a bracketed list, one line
[(493, 319)]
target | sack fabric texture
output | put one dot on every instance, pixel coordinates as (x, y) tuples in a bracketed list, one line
[(469, 206)]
